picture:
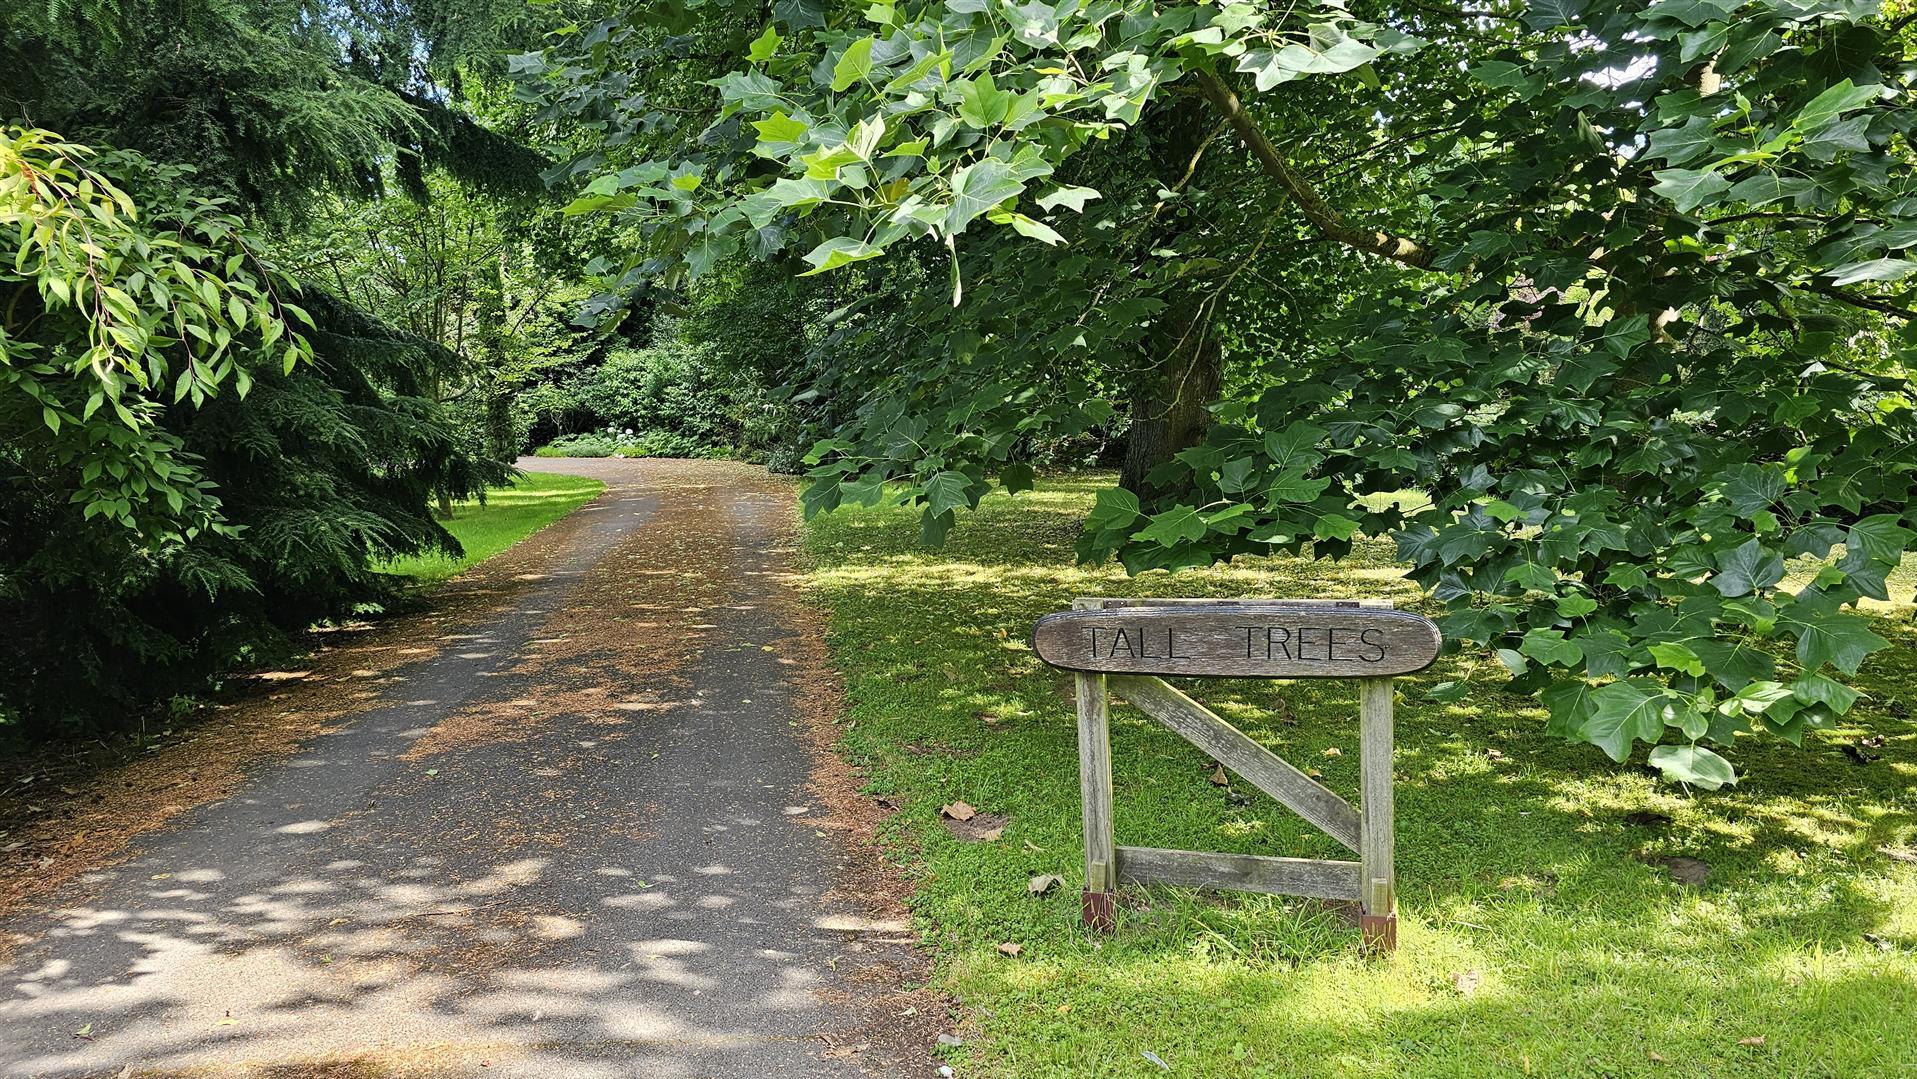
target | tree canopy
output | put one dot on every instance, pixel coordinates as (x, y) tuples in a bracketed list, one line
[(1596, 308), (203, 451)]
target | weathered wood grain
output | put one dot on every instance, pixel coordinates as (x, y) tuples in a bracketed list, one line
[(1239, 639), (1232, 748), (1105, 603), (1376, 845), (1239, 872), (1095, 780)]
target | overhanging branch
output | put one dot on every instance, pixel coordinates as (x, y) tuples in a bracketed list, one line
[(1316, 210), (1868, 303)]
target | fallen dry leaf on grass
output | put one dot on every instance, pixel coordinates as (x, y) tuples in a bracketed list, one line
[(958, 811), (976, 827), (1008, 948), (1466, 982), (1687, 871), (1220, 777), (1334, 751), (1043, 883), (1756, 1040)]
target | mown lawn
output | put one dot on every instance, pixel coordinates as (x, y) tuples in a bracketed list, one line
[(1538, 934), (508, 515)]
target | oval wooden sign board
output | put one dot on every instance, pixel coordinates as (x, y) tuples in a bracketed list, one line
[(1240, 640)]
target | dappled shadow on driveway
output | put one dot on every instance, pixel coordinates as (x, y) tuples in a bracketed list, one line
[(577, 840)]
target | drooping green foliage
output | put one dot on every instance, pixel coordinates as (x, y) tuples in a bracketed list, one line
[(188, 477), (1594, 306), (110, 312), (179, 495)]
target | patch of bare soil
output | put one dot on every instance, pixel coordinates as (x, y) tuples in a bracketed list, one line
[(65, 811)]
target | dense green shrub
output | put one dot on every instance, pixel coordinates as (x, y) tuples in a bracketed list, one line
[(173, 505), (670, 398), (665, 387), (615, 443)]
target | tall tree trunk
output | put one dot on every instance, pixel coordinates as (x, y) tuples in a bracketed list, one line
[(1180, 371), (1169, 406)]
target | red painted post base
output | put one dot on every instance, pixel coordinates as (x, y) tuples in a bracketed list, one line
[(1379, 933), (1099, 910)]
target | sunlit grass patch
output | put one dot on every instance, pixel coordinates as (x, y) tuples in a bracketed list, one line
[(508, 515), (1540, 935)]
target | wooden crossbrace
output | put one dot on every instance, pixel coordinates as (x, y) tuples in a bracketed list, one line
[(1367, 829)]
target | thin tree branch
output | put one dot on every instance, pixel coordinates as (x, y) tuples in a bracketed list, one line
[(1358, 159), (1868, 303), (1313, 205)]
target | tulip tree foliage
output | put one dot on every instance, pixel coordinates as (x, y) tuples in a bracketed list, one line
[(1623, 326)]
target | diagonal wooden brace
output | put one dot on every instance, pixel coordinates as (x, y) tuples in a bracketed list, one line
[(1231, 747)]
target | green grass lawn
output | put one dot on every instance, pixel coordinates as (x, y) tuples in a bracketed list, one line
[(508, 515), (1537, 935)]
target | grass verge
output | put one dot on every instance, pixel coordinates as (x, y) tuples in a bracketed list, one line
[(1541, 934), (508, 515)]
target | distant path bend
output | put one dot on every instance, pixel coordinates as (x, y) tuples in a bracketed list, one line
[(573, 823)]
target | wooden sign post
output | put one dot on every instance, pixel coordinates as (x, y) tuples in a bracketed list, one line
[(1122, 645)]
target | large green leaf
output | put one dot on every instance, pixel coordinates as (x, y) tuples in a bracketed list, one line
[(854, 64), (1885, 269), (1826, 634), (1114, 507), (1170, 528), (1684, 142), (1549, 646), (1623, 712), (1689, 189), (839, 251), (1746, 568), (981, 103), (765, 45), (1833, 103), (1695, 765), (977, 188), (946, 491)]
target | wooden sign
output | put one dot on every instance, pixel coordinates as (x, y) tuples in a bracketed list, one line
[(1240, 640), (1118, 645)]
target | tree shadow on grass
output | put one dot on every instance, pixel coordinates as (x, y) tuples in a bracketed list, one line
[(1530, 861)]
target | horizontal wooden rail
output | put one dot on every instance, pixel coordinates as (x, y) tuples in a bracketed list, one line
[(1240, 872)]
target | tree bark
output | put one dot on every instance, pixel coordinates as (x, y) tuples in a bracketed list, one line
[(1179, 372), (1170, 409)]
